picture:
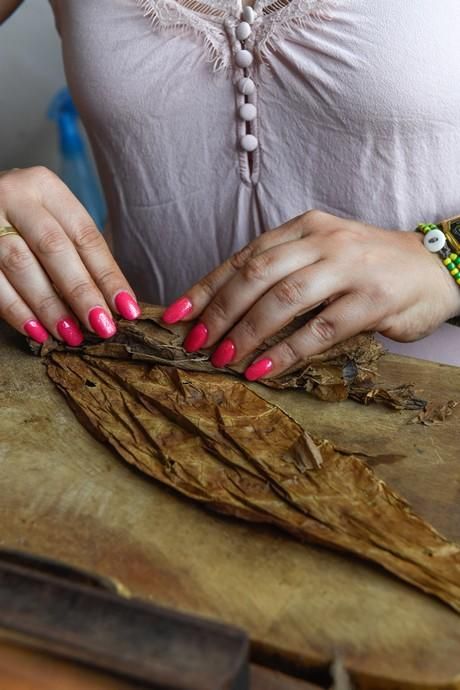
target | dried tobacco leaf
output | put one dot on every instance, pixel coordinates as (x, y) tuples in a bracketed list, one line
[(400, 398), (213, 439), (345, 370), (434, 413)]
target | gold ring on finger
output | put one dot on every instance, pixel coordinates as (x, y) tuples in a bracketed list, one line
[(7, 230)]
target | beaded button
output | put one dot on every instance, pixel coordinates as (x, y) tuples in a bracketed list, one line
[(249, 143), (434, 240), (249, 15), (243, 58), (246, 86), (243, 31), (248, 112)]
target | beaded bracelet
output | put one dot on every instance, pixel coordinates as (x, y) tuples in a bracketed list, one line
[(444, 239)]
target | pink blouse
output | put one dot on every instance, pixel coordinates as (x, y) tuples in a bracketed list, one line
[(356, 111)]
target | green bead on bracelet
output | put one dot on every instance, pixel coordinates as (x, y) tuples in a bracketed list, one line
[(426, 227), (452, 263)]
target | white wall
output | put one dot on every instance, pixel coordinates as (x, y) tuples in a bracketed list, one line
[(30, 73)]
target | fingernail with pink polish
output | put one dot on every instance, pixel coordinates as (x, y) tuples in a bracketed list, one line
[(101, 322), (36, 331), (223, 354), (70, 332), (127, 306), (177, 310), (197, 338), (258, 369)]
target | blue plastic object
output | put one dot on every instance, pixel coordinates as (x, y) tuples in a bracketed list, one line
[(76, 167)]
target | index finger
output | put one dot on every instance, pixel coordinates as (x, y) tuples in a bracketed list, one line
[(191, 305), (92, 249)]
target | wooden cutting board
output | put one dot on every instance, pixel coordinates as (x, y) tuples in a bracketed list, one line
[(64, 495)]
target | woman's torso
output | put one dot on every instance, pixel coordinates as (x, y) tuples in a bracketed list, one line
[(357, 114)]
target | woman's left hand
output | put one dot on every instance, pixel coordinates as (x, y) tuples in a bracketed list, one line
[(366, 278)]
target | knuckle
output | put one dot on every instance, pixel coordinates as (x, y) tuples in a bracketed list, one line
[(256, 269), (377, 296), (309, 220), (39, 178), (8, 181), (51, 241), (263, 242), (238, 260), (11, 310), (25, 180), (5, 175), (47, 303), (289, 292), (216, 313), (341, 240), (81, 290), (313, 215), (248, 329), (16, 259), (87, 238), (108, 277), (378, 293), (288, 353), (41, 172), (206, 284), (322, 329)]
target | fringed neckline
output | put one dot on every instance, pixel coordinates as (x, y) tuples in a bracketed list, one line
[(207, 19)]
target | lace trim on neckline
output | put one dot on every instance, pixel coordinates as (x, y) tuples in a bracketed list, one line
[(206, 19)]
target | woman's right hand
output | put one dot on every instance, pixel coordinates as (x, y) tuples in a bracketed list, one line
[(57, 272)]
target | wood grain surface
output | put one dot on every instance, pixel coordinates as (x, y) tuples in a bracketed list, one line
[(64, 495)]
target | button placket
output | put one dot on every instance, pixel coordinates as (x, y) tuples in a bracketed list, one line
[(253, 127), (246, 96)]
